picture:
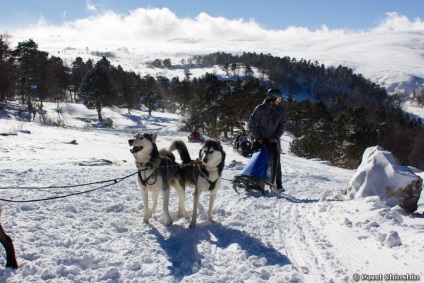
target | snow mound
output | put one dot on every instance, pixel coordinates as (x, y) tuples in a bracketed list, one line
[(390, 240), (379, 174)]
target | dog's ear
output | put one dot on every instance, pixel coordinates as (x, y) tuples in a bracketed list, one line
[(154, 136)]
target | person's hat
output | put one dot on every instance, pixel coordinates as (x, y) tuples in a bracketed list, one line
[(273, 93)]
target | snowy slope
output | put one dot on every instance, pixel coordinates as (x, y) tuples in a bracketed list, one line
[(304, 235), (391, 59)]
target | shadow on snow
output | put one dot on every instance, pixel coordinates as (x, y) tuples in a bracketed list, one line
[(288, 198), (279, 196), (181, 246)]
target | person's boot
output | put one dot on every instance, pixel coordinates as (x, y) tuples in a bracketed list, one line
[(280, 187)]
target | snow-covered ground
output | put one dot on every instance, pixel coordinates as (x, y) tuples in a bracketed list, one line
[(303, 235), (414, 110)]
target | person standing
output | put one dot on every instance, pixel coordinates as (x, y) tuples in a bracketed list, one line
[(266, 125)]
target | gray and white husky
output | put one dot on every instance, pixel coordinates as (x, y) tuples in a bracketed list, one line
[(156, 175), (204, 174)]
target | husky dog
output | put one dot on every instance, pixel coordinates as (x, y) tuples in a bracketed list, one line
[(156, 174), (204, 175)]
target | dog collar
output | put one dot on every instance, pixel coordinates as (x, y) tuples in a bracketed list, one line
[(148, 164)]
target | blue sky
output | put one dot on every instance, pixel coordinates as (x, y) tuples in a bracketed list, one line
[(277, 14)]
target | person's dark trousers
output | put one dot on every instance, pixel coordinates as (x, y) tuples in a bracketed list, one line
[(279, 174), (276, 167)]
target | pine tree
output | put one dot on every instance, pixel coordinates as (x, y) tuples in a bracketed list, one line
[(96, 89), (7, 74), (149, 94), (26, 54)]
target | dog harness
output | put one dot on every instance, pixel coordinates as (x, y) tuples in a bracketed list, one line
[(146, 180), (211, 184)]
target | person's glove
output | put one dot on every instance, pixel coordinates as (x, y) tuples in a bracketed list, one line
[(273, 146), (256, 146)]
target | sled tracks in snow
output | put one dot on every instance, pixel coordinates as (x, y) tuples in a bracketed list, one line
[(324, 246), (309, 251)]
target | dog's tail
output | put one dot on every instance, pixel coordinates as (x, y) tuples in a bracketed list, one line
[(180, 146)]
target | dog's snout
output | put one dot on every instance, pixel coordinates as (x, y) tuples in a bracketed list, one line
[(130, 142), (205, 160)]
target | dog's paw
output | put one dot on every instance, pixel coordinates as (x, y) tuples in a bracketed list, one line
[(146, 220), (192, 225), (12, 264)]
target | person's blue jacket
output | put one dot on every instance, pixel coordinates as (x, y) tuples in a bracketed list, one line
[(267, 121)]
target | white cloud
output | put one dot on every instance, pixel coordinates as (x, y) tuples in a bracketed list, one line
[(155, 24), (396, 22), (90, 6), (42, 21), (162, 24), (64, 15)]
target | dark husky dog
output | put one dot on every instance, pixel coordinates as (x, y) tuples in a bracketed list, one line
[(7, 243), (204, 175), (156, 175)]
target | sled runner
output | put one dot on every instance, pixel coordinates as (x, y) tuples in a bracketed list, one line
[(259, 171)]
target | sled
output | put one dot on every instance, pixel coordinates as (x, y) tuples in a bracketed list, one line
[(243, 144), (199, 138), (196, 139), (259, 171)]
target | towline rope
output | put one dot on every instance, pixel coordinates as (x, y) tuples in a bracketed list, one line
[(112, 181)]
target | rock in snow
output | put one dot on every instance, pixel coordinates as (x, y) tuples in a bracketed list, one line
[(379, 174)]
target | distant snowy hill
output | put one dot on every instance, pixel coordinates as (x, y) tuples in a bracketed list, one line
[(393, 59)]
